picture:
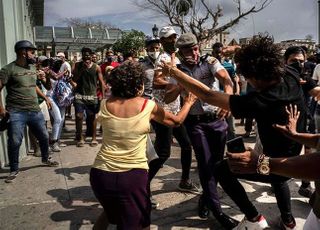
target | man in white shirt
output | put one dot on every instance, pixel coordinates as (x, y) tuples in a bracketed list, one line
[(65, 65), (164, 134)]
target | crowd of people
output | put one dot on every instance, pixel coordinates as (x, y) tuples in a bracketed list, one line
[(180, 94)]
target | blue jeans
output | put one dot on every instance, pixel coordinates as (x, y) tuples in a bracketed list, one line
[(58, 114), (208, 138), (18, 122)]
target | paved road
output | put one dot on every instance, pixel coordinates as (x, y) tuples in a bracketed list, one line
[(61, 198)]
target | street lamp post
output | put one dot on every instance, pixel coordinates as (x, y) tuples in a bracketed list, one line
[(155, 30), (53, 48)]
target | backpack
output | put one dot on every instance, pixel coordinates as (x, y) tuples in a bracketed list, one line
[(63, 94)]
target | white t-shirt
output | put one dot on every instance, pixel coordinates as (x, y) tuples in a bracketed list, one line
[(173, 107), (65, 66), (316, 76)]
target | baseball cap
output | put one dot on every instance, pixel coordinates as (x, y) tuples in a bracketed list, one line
[(24, 44), (149, 40), (186, 40), (166, 31), (61, 54)]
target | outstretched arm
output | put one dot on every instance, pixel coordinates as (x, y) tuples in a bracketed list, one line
[(172, 92), (308, 139), (246, 163), (164, 117), (202, 91)]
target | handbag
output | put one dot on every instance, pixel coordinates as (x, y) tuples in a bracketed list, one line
[(151, 152)]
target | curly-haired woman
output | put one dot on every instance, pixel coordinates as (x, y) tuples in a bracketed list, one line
[(119, 177), (260, 62)]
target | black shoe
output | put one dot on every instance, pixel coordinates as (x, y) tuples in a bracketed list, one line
[(305, 192), (226, 221), (50, 163), (203, 211)]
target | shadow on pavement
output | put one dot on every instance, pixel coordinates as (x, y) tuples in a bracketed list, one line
[(81, 209)]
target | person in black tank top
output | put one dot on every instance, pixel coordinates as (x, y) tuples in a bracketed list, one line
[(86, 74)]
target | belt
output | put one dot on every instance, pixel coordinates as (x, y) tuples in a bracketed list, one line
[(205, 118)]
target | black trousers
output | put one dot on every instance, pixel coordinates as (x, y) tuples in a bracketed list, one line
[(162, 146), (230, 184)]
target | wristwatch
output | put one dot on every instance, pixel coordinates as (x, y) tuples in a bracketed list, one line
[(263, 167)]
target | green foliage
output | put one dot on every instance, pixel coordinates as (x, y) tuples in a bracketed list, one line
[(131, 42)]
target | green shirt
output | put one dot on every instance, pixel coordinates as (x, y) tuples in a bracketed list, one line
[(21, 87)]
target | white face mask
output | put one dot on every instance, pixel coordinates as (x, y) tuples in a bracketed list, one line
[(154, 55)]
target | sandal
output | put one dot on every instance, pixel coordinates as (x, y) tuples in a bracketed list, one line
[(94, 143), (80, 143)]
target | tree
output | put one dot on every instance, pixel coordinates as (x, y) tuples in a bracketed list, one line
[(87, 23), (131, 42), (198, 17), (309, 37)]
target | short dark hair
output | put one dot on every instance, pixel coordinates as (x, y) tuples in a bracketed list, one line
[(126, 80), (261, 59), (86, 50), (294, 50), (217, 45)]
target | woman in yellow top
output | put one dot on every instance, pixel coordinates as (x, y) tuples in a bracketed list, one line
[(119, 177)]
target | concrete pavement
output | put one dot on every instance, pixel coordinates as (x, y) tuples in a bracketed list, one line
[(61, 198)]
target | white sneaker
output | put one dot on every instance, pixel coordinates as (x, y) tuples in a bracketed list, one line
[(55, 147), (248, 225), (12, 176), (154, 203)]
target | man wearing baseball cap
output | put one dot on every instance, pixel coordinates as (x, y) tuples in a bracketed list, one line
[(161, 85), (168, 37), (20, 77), (206, 124)]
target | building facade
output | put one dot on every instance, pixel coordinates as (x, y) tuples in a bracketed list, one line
[(17, 19), (310, 44), (221, 37), (50, 40)]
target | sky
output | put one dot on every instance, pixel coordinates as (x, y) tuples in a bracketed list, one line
[(283, 19)]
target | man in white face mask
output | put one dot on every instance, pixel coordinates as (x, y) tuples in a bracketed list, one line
[(161, 92), (153, 50)]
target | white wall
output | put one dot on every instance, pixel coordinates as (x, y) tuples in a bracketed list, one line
[(15, 25)]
